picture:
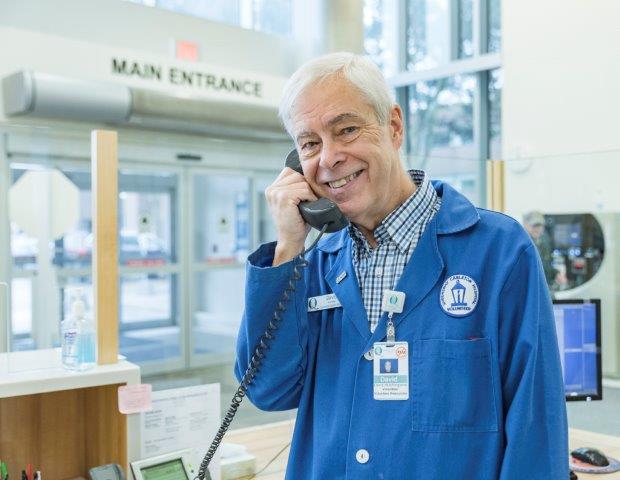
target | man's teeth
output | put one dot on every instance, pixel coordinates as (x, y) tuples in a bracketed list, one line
[(343, 181)]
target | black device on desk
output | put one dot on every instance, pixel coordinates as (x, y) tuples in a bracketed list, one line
[(591, 456), (112, 471), (170, 466)]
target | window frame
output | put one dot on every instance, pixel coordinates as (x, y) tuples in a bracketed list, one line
[(480, 64)]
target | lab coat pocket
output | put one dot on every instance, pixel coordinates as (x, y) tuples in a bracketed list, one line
[(452, 386)]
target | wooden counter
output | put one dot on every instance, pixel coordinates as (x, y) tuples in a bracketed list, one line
[(64, 422)]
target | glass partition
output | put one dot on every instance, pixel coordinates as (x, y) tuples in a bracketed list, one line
[(50, 246)]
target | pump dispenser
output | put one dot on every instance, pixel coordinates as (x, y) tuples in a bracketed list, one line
[(78, 337)]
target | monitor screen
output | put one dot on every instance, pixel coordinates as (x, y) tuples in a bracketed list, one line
[(567, 235), (172, 470), (578, 325)]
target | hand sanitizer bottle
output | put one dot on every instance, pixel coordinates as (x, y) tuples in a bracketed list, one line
[(78, 337), (87, 341)]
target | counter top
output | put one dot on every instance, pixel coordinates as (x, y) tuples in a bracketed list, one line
[(266, 441), (40, 371)]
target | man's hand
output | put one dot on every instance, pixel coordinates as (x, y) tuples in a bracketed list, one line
[(283, 197)]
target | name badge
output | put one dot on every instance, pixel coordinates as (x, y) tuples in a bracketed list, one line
[(323, 302), (391, 371)]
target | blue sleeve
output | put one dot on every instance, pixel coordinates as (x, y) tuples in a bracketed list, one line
[(277, 385), (536, 431)]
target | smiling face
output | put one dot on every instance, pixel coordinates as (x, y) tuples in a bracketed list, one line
[(347, 155)]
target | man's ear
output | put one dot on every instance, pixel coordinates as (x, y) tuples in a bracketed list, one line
[(397, 126)]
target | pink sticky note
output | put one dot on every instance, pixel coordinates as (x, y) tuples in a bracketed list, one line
[(134, 398)]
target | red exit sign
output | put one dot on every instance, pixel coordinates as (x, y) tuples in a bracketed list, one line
[(186, 50)]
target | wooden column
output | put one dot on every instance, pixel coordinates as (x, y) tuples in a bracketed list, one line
[(104, 160), (495, 185)]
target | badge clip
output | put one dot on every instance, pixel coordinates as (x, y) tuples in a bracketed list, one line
[(393, 302)]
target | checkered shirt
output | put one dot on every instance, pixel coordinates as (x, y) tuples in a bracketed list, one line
[(398, 234)]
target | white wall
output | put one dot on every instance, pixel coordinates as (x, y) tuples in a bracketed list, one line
[(561, 63)]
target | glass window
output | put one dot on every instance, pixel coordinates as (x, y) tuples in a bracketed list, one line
[(149, 328), (441, 133), (496, 82), (225, 11), (147, 217), (466, 39), (428, 33), (222, 240), (33, 226), (272, 16), (21, 314), (441, 119), (219, 294), (495, 34), (51, 245), (149, 294), (147, 299), (24, 248), (266, 227), (380, 33), (221, 219), (48, 237)]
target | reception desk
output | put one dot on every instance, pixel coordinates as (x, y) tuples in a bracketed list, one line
[(266, 441), (64, 422)]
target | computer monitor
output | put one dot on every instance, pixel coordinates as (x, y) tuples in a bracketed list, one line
[(578, 326), (567, 235)]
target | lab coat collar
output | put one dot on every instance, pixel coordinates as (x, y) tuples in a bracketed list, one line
[(455, 215), (347, 290), (424, 270)]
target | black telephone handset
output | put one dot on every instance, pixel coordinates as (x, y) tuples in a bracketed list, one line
[(325, 216), (320, 212)]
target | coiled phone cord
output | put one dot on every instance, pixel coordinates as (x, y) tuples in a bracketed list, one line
[(257, 358)]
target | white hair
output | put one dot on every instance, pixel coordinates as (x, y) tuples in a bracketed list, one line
[(358, 70)]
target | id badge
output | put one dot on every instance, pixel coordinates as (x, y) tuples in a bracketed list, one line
[(391, 371)]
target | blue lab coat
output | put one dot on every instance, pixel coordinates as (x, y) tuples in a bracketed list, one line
[(486, 398)]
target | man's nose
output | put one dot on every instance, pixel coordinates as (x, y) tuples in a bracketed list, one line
[(331, 155)]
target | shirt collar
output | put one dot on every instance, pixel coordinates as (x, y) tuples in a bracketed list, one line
[(456, 214), (401, 222)]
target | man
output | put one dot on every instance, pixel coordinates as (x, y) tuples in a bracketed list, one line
[(534, 223), (478, 394)]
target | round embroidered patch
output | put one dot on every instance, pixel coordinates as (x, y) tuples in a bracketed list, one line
[(459, 295)]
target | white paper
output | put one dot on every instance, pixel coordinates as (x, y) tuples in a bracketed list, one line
[(182, 418)]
